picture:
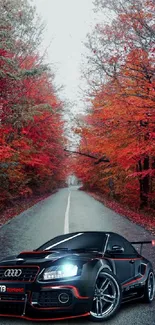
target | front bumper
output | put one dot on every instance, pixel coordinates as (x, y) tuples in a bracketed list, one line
[(43, 301)]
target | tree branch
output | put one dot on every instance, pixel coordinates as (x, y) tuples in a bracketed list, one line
[(99, 160)]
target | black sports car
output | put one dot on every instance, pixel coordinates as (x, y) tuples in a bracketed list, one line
[(74, 275)]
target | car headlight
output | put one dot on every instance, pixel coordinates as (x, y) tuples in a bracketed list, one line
[(60, 271)]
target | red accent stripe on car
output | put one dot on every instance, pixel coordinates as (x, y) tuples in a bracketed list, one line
[(117, 259), (136, 279), (34, 252), (44, 319), (75, 290), (18, 266)]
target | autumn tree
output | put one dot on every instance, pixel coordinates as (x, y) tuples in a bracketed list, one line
[(31, 128), (121, 122)]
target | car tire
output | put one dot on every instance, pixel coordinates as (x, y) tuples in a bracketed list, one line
[(107, 297), (149, 290)]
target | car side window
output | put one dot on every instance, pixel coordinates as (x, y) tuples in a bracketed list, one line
[(129, 250)]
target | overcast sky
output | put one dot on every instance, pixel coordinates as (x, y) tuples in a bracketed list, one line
[(67, 24)]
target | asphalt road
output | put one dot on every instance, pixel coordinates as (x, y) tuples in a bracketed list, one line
[(72, 210)]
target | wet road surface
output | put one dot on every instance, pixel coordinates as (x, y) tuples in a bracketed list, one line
[(74, 210)]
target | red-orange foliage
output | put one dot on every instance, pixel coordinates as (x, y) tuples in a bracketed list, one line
[(31, 127), (121, 123)]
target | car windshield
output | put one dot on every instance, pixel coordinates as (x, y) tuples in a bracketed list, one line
[(77, 241)]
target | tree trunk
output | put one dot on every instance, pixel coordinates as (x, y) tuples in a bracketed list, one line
[(144, 183)]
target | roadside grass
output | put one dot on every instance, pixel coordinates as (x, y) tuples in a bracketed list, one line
[(19, 206), (144, 219)]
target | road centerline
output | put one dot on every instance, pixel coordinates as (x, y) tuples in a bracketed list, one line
[(66, 223)]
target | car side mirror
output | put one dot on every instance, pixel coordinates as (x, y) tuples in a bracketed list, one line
[(116, 249)]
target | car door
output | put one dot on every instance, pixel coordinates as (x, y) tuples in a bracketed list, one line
[(123, 263)]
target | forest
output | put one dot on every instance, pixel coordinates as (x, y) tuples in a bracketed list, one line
[(118, 130), (31, 124)]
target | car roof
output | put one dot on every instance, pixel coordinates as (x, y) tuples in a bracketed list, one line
[(90, 232), (86, 235), (93, 232)]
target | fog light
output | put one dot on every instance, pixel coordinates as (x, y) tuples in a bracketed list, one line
[(63, 298)]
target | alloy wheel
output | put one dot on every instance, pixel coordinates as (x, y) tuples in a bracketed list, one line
[(107, 296), (150, 286)]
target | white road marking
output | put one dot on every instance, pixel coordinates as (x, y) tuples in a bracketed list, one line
[(66, 224)]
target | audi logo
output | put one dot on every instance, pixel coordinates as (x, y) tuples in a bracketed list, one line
[(12, 273)]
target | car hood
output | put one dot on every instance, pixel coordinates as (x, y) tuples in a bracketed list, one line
[(45, 257)]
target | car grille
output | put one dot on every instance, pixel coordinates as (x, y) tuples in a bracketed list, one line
[(11, 309), (50, 299), (28, 274), (12, 298)]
